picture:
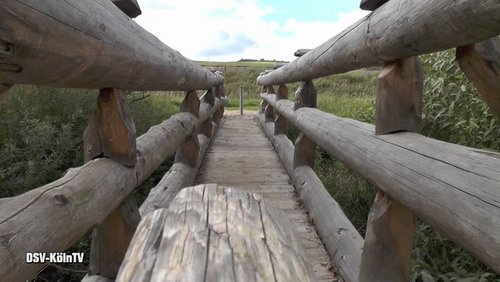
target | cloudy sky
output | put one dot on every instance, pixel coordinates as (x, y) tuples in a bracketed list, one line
[(229, 30)]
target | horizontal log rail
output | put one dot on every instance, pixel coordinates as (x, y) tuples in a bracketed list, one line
[(396, 30), (452, 188), (101, 48), (54, 217)]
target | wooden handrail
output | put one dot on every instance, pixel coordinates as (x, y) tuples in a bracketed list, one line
[(89, 44), (453, 188), (63, 211), (396, 30)]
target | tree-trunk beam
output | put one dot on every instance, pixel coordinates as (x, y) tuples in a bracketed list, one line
[(382, 37), (102, 48)]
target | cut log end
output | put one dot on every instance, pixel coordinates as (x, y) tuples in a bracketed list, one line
[(218, 233)]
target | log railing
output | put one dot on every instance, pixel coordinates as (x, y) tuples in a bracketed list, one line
[(102, 49), (453, 188)]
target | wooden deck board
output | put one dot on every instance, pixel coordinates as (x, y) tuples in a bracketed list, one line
[(242, 157)]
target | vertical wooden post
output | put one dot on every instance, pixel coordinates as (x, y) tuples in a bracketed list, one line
[(218, 93), (188, 152), (391, 226), (481, 65), (111, 133), (269, 111), (263, 103), (305, 148), (241, 100), (207, 127), (281, 123), (399, 97)]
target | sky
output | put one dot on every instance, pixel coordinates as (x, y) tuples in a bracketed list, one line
[(230, 30)]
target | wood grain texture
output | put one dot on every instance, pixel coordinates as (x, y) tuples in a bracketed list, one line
[(305, 149), (111, 239), (399, 97), (452, 188), (306, 95), (388, 242), (281, 124), (102, 48), (111, 132), (67, 208), (281, 143), (242, 157), (180, 175), (342, 241), (391, 227), (188, 160), (215, 233), (396, 30), (481, 65)]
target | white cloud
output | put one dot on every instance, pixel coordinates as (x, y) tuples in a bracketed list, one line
[(226, 30)]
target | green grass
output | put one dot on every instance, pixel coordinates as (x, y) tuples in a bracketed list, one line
[(260, 64)]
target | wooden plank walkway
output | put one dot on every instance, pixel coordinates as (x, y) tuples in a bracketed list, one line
[(241, 156)]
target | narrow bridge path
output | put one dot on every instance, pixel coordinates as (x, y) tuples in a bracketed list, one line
[(242, 157)]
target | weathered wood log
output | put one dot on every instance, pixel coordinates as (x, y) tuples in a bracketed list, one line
[(111, 131), (399, 97), (305, 149), (102, 48), (64, 210), (281, 124), (219, 93), (391, 226), (452, 188), (282, 145), (341, 239), (129, 7), (188, 152), (306, 95), (188, 160), (111, 239), (215, 234), (481, 65), (388, 242), (382, 37), (371, 5)]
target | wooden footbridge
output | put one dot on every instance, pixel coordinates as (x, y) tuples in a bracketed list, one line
[(235, 205)]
